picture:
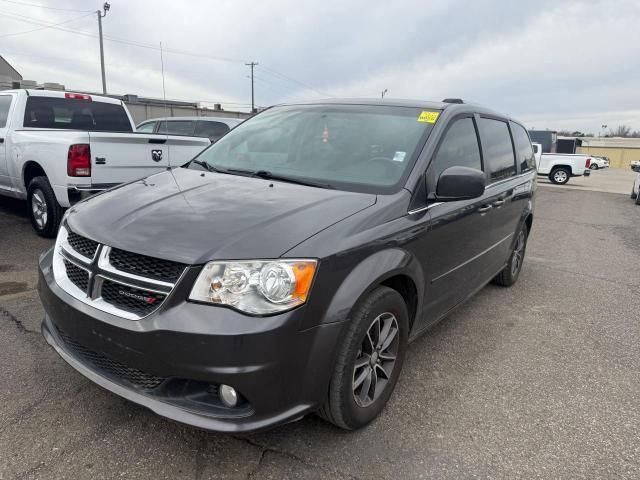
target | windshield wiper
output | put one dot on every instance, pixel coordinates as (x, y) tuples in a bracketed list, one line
[(281, 178), (208, 167)]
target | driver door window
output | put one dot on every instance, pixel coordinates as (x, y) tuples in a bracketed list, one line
[(458, 148)]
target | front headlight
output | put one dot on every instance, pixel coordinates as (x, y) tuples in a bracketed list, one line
[(255, 286)]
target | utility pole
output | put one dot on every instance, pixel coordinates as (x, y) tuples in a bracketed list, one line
[(106, 8), (253, 106)]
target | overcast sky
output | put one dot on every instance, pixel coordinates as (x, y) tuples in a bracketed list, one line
[(553, 64)]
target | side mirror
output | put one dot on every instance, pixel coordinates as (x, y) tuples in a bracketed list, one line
[(460, 183)]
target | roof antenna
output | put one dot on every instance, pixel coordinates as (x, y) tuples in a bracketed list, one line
[(164, 96)]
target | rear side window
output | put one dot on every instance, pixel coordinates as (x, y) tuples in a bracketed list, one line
[(75, 114), (146, 127), (211, 130), (5, 104), (498, 149), (524, 149), (176, 127), (459, 148)]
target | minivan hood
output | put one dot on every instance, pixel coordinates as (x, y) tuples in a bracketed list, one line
[(192, 217)]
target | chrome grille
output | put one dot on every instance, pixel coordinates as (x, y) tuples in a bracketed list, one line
[(115, 281), (150, 267), (136, 300), (82, 245), (78, 276)]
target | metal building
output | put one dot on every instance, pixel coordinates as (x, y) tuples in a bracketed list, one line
[(619, 151), (8, 74)]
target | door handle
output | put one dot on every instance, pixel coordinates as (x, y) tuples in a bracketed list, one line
[(499, 203), (485, 208)]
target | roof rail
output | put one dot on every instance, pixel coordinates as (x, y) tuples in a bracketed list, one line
[(452, 100)]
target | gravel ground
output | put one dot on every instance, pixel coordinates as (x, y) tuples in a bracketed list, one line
[(538, 381)]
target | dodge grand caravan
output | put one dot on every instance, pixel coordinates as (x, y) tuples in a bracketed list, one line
[(284, 269)]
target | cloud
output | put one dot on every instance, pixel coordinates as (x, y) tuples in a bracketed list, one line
[(548, 62)]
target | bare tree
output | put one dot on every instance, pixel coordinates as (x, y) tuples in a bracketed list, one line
[(620, 131)]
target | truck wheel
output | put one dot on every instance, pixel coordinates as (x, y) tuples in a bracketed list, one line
[(44, 210), (369, 361), (593, 166), (560, 175), (509, 275)]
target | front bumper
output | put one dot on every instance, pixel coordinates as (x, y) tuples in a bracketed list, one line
[(187, 350)]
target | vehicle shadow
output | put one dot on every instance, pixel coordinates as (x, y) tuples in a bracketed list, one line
[(13, 207)]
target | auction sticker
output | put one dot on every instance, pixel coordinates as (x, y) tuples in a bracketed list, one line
[(428, 117)]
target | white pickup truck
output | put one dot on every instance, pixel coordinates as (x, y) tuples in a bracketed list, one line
[(560, 167), (59, 147)]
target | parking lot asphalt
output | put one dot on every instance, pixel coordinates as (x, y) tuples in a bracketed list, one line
[(541, 380)]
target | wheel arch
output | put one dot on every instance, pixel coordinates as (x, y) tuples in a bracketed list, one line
[(395, 268), (30, 170)]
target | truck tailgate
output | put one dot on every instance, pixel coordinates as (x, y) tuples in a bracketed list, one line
[(122, 157)]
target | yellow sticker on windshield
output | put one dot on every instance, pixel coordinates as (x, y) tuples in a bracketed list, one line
[(428, 117)]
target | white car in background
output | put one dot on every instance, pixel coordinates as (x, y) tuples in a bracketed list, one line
[(598, 162), (634, 164), (635, 190)]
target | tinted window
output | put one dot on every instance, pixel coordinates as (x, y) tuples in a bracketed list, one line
[(5, 103), (72, 114), (459, 148), (524, 149), (176, 127), (352, 147), (497, 147), (212, 130), (146, 127)]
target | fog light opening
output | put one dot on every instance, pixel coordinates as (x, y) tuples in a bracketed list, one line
[(228, 396)]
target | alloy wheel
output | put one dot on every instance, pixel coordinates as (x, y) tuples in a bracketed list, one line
[(518, 254), (39, 208), (376, 359)]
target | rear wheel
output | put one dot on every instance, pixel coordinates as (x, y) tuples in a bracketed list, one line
[(509, 275), (44, 211), (369, 361), (560, 176), (593, 166)]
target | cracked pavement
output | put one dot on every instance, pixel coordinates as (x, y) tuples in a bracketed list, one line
[(538, 381)]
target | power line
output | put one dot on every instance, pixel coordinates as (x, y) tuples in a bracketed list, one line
[(43, 27), (298, 82), (270, 71), (46, 7)]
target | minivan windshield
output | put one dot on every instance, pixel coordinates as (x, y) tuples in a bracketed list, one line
[(367, 148)]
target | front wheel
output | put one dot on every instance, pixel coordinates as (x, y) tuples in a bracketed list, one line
[(560, 176), (509, 275), (44, 210), (369, 361)]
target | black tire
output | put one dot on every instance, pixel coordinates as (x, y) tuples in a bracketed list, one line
[(637, 199), (341, 407), (633, 195), (593, 166), (44, 211), (509, 274), (557, 177)]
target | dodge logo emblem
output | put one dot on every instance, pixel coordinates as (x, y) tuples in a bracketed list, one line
[(156, 155)]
